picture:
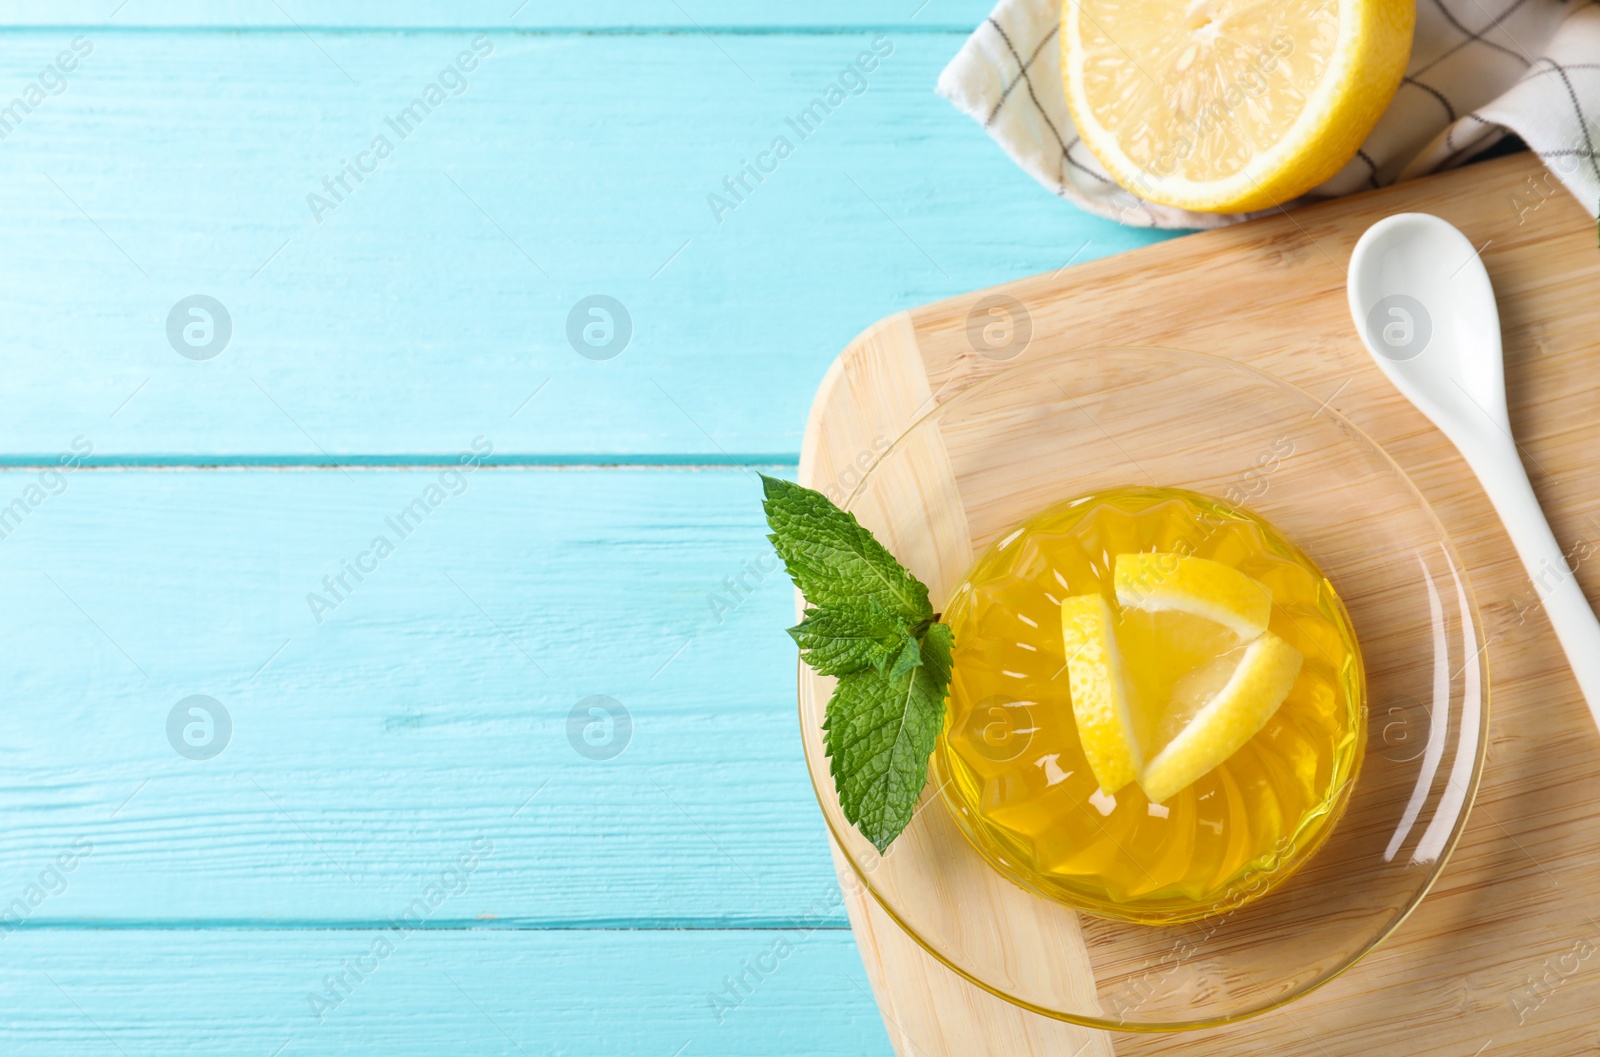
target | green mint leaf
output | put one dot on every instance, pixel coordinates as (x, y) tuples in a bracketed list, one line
[(833, 560), (844, 639), (868, 622), (910, 657), (880, 730)]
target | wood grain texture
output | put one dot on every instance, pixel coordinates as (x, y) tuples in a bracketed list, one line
[(1499, 957), (929, 1010), (433, 301), (424, 710), (503, 993)]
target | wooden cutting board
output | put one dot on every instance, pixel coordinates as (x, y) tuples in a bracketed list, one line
[(1503, 957)]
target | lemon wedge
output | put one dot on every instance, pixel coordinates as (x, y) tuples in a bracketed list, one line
[(1099, 689), (1166, 582), (1216, 709), (1228, 106)]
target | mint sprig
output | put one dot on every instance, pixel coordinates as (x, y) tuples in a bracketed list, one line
[(868, 622)]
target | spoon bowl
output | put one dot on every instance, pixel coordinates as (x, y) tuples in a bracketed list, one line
[(1423, 303)]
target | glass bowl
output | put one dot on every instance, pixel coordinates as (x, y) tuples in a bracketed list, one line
[(971, 470)]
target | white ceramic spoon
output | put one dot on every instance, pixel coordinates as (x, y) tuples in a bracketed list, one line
[(1423, 305)]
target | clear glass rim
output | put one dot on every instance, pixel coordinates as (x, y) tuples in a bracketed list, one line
[(1446, 851)]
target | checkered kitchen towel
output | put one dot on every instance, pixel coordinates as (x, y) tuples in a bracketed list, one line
[(1479, 69)]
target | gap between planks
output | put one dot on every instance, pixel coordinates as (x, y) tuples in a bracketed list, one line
[(904, 29), (448, 925), (397, 464)]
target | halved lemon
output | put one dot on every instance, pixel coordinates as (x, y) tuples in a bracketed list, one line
[(1228, 106), (1099, 689), (1166, 582), (1215, 710)]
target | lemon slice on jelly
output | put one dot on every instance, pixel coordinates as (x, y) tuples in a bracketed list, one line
[(1201, 674), (1165, 582), (1216, 709), (1099, 688)]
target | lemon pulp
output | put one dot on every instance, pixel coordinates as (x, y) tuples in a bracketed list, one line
[(1230, 677), (1230, 105), (1020, 775), (1101, 703)]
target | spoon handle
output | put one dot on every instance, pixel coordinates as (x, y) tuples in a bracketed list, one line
[(1503, 476)]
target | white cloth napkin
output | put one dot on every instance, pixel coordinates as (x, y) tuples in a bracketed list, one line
[(1479, 69)]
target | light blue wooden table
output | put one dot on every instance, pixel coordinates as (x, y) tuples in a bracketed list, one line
[(392, 821)]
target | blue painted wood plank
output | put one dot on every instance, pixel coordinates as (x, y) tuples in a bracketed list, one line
[(586, 668), (484, 14), (595, 994), (432, 300)]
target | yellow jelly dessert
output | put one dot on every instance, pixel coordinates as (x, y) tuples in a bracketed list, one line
[(1157, 708)]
